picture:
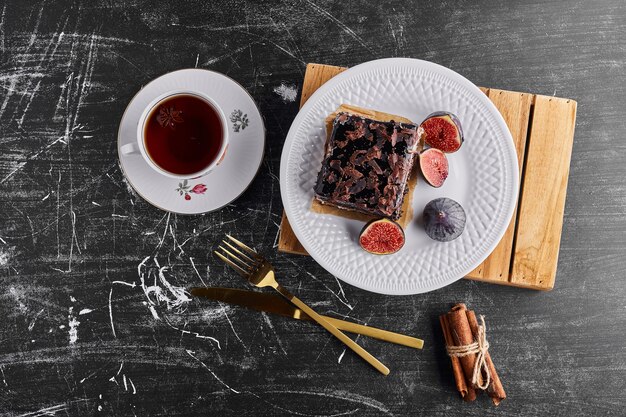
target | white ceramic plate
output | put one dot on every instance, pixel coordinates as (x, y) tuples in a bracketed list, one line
[(230, 178), (483, 177)]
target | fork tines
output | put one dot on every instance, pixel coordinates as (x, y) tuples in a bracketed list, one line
[(243, 260)]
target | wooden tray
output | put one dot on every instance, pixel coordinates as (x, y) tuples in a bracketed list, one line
[(543, 131)]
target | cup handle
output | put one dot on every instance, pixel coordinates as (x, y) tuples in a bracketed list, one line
[(129, 148)]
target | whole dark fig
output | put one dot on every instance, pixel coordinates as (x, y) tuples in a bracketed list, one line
[(434, 166), (444, 219), (382, 237), (442, 130)]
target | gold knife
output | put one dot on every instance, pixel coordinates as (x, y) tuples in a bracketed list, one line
[(275, 304)]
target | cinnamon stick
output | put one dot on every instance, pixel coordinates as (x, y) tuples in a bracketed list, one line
[(462, 335), (468, 393), (495, 390)]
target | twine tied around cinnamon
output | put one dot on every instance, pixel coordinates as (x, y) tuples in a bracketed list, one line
[(479, 347)]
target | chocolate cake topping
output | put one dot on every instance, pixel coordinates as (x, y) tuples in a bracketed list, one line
[(367, 164)]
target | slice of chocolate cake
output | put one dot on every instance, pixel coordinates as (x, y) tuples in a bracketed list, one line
[(367, 165)]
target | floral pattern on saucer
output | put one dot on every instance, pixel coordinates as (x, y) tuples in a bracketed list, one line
[(185, 189), (239, 119)]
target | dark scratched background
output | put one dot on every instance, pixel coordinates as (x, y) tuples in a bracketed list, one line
[(79, 335)]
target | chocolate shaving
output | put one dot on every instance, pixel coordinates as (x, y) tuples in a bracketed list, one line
[(341, 143), (394, 138), (375, 167), (357, 133), (350, 172), (358, 186), (358, 157), (374, 152)]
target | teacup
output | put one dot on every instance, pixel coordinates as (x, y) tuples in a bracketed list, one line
[(181, 134)]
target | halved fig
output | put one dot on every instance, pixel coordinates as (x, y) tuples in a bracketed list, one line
[(434, 166), (444, 219), (382, 237), (442, 130)]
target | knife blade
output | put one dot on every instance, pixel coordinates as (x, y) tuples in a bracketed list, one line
[(275, 304)]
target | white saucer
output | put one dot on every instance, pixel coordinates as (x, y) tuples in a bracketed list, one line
[(229, 179)]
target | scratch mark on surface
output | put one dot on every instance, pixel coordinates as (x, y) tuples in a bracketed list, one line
[(155, 294), (167, 222), (84, 311), (73, 239), (176, 241), (340, 24), (271, 326), (341, 356), (132, 385), (175, 298), (109, 39), (87, 377), (111, 312), (4, 379), (30, 157), (212, 28), (58, 215), (32, 95), (196, 334), (4, 10), (32, 323), (340, 288), (339, 395), (191, 353), (197, 273), (73, 323), (10, 89), (33, 36), (48, 411), (339, 295), (275, 244), (132, 285), (355, 340), (228, 55), (231, 325)]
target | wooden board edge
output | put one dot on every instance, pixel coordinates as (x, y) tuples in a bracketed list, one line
[(515, 109), (510, 283), (287, 240), (545, 277)]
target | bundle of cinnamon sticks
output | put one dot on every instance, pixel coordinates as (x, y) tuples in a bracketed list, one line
[(460, 328)]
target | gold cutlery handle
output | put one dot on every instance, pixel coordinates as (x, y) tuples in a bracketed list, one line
[(334, 331), (379, 334)]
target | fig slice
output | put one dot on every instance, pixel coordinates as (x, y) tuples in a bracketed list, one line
[(434, 166), (444, 219), (442, 130), (382, 237)]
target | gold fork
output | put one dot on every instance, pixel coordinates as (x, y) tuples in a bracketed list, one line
[(258, 271)]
